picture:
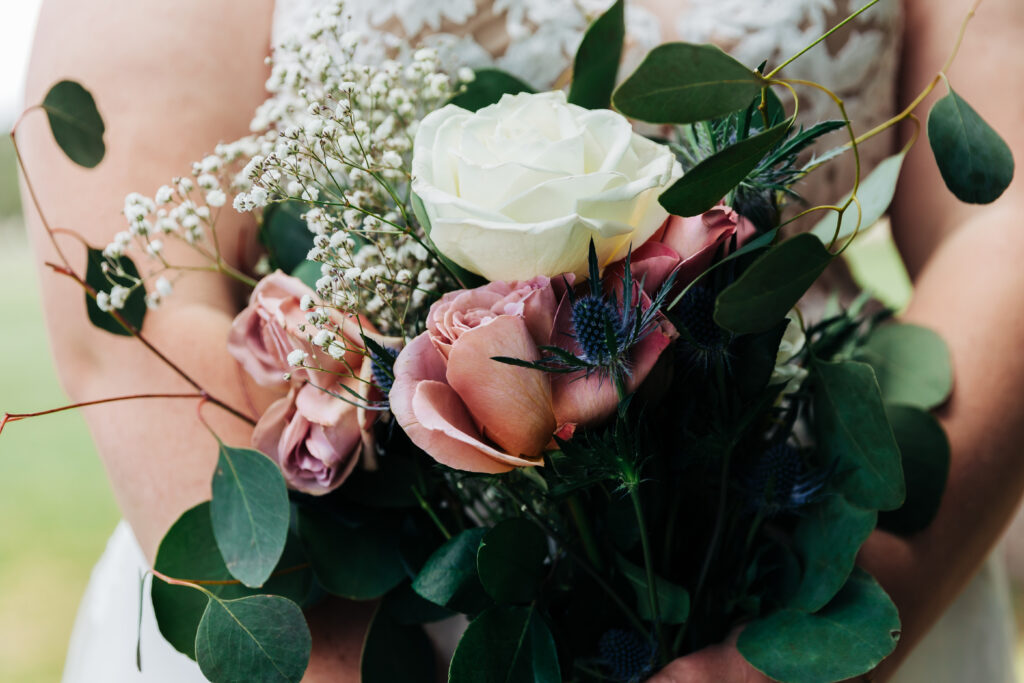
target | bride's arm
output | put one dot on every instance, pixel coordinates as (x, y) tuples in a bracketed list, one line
[(966, 262), (969, 281), (171, 80)]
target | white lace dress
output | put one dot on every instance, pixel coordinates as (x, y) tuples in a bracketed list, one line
[(535, 40)]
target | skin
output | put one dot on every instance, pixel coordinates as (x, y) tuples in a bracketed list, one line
[(153, 80)]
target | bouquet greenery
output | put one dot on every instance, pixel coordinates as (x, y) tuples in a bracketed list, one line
[(542, 371)]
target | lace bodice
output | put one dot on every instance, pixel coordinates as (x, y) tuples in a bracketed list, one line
[(536, 40)]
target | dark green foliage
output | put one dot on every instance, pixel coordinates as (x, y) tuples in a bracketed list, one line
[(75, 122), (134, 310)]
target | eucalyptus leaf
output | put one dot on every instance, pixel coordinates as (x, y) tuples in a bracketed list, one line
[(189, 551), (911, 364), (686, 83), (673, 600), (394, 652), (249, 511), (875, 195), (355, 561), (597, 59), (506, 645), (258, 639), (708, 182), (309, 272), (510, 560), (75, 122), (771, 286), (286, 234), (487, 87), (848, 637), (853, 432), (134, 311), (827, 538), (449, 578), (976, 164), (924, 449)]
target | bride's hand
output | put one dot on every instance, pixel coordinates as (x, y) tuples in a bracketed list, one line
[(720, 663)]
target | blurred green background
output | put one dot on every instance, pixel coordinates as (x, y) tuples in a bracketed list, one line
[(55, 504)]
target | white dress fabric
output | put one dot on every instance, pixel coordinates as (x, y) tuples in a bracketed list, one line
[(535, 40)]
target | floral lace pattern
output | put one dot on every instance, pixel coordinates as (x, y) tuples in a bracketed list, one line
[(536, 40)]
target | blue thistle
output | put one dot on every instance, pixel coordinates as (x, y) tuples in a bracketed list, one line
[(599, 329), (382, 360), (628, 655), (701, 339), (780, 482)]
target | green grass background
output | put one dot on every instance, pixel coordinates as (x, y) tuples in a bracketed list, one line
[(56, 508)]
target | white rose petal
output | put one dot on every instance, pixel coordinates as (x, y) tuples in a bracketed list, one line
[(519, 188)]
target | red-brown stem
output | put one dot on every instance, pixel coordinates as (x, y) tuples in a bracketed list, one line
[(223, 582), (145, 342), (70, 272), (15, 417)]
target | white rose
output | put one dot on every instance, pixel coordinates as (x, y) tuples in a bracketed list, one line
[(519, 188)]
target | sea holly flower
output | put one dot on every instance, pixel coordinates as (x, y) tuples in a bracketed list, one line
[(781, 482), (628, 656)]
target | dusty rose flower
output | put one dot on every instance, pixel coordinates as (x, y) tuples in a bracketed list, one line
[(315, 438), (463, 408), (689, 244), (473, 413), (268, 330)]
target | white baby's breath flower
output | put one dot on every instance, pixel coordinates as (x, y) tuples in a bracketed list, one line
[(297, 358), (119, 296), (103, 301), (165, 194), (164, 286), (216, 198), (154, 247)]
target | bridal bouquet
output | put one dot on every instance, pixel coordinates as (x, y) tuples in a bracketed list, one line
[(541, 370)]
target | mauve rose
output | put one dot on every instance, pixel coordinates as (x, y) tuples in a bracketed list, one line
[(689, 244), (463, 408), (314, 437), (473, 413), (268, 330)]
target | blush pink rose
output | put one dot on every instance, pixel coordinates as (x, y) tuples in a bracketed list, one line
[(689, 245), (463, 408), (315, 438), (271, 327)]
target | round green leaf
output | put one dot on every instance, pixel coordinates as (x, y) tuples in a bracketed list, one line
[(506, 645), (673, 600), (487, 87), (853, 432), (925, 452), (449, 578), (258, 639), (510, 560), (75, 122), (395, 652), (360, 562), (911, 364), (134, 310), (597, 59), (249, 512), (974, 161), (874, 194), (189, 551), (705, 184), (286, 235), (827, 539), (848, 637), (771, 286), (684, 83)]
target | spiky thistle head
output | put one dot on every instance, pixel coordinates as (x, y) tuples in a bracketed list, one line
[(599, 328), (701, 340), (628, 655), (780, 481)]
